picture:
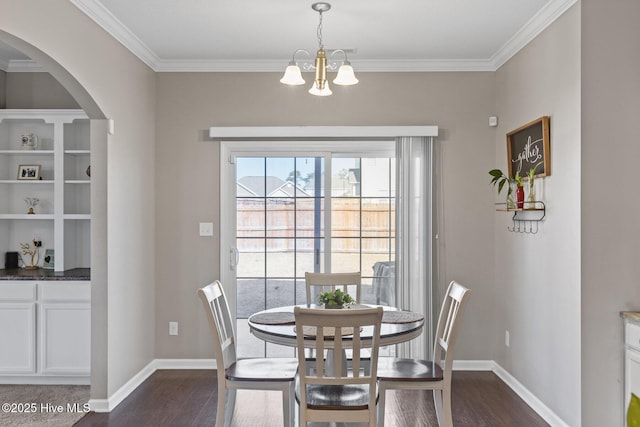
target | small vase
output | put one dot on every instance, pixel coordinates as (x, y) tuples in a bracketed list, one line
[(511, 195), (520, 197), (532, 195)]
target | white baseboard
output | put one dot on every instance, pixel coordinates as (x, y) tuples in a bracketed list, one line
[(185, 364), (473, 365), (530, 399), (107, 405)]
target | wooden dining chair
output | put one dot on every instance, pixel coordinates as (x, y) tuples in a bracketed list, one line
[(322, 282), (248, 374), (327, 391), (412, 374)]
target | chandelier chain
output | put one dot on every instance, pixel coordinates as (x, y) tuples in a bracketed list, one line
[(319, 31)]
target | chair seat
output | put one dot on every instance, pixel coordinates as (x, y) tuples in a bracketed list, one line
[(397, 369), (263, 369), (335, 397)]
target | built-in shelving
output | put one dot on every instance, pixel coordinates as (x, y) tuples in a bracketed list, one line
[(62, 218)]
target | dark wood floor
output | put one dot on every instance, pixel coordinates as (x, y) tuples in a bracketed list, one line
[(188, 398)]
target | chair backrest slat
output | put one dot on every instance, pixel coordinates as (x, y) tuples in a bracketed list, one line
[(338, 330), (220, 323), (322, 282), (448, 324)]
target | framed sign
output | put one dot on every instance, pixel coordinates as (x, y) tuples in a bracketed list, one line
[(528, 147)]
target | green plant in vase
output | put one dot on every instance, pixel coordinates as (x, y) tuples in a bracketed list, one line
[(532, 176), (335, 299), (519, 190), (499, 178)]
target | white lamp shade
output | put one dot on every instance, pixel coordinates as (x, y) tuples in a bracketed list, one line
[(345, 76), (320, 92), (292, 76)]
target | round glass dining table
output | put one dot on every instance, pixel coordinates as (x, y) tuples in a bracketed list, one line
[(277, 325)]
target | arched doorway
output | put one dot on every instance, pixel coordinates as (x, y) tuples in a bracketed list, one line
[(99, 135)]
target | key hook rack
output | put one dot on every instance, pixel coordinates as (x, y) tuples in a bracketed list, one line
[(526, 219)]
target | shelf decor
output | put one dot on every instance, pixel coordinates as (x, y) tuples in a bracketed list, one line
[(32, 202), (29, 141), (33, 253), (28, 172), (499, 177), (49, 259)]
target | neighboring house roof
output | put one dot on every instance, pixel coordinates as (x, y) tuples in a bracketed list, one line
[(354, 176), (275, 187), (242, 191)]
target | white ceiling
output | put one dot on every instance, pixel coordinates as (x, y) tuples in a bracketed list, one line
[(259, 35)]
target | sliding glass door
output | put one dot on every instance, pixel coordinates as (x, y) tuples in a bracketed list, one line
[(326, 212)]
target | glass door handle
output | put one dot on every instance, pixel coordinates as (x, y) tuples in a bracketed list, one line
[(234, 259)]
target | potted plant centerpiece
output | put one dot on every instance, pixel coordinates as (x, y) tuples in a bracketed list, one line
[(335, 299)]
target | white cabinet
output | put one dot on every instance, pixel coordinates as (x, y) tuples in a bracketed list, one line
[(49, 338), (64, 326), (61, 152), (18, 334), (631, 360)]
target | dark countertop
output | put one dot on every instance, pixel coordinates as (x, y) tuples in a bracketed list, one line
[(42, 274)]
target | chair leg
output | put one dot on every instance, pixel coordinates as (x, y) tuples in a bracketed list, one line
[(437, 403), (222, 400), (382, 392), (229, 407), (442, 403), (446, 407), (288, 405)]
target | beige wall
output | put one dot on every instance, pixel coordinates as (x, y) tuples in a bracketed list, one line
[(37, 90), (3, 89), (106, 80), (538, 276), (188, 179), (610, 232)]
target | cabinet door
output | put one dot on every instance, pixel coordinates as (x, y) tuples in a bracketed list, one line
[(632, 376), (17, 338), (65, 338)]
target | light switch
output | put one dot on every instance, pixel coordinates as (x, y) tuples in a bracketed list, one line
[(173, 328), (206, 229)]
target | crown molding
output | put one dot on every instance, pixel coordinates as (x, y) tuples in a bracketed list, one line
[(537, 24), (4, 65), (105, 19), (112, 25)]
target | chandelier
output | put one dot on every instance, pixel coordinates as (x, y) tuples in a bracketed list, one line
[(345, 77)]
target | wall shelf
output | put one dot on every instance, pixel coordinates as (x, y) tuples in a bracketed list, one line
[(525, 219)]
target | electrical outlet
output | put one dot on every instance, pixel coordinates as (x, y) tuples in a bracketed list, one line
[(506, 338), (173, 328)]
